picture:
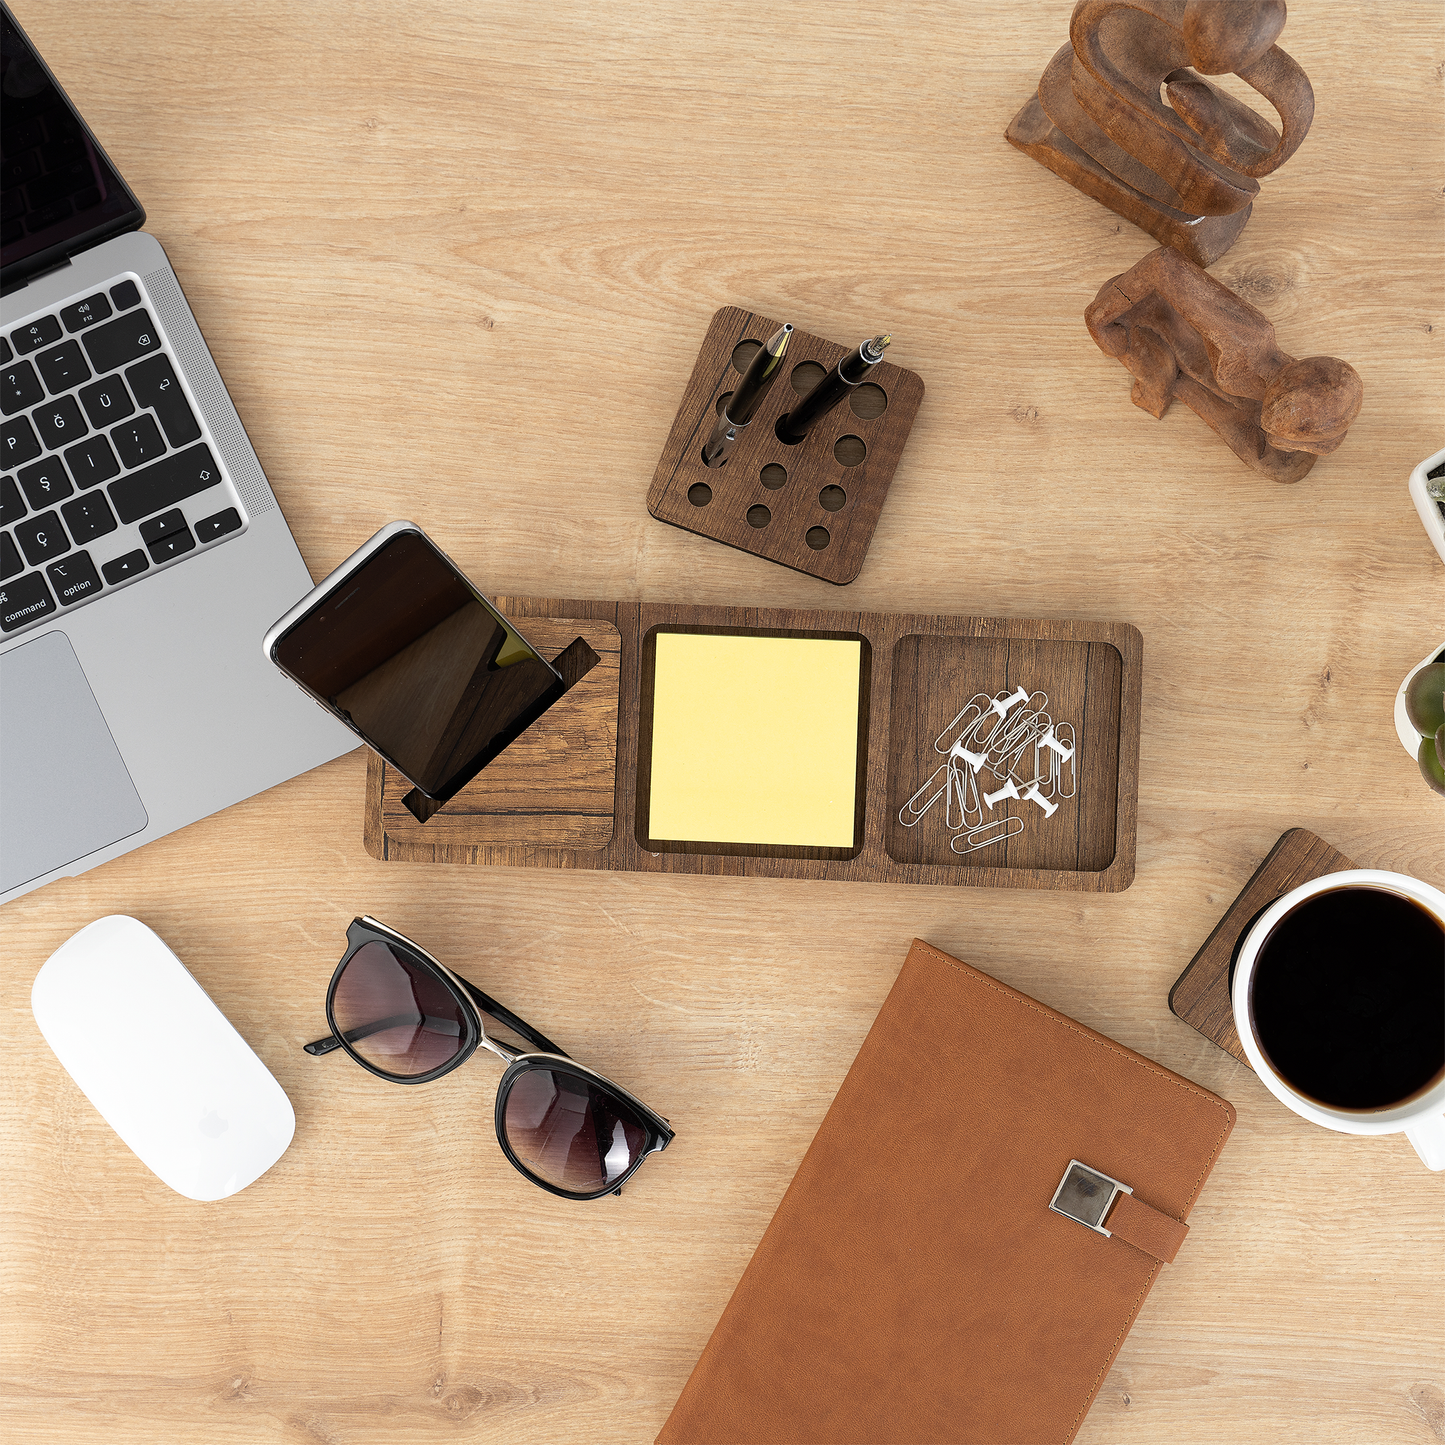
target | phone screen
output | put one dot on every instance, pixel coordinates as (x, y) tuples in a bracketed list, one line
[(415, 660)]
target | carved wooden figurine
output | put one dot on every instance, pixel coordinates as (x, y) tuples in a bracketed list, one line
[(1187, 175), (1183, 334)]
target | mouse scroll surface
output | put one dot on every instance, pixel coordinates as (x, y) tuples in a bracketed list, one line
[(161, 1063)]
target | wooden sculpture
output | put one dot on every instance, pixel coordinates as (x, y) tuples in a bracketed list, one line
[(1187, 175), (1183, 334)]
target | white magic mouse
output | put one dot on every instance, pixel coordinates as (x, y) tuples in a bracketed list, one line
[(163, 1065)]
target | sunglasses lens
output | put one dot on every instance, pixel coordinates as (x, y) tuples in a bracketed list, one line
[(570, 1131), (399, 1018)]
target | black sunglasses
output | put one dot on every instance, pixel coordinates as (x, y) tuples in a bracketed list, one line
[(407, 1018)]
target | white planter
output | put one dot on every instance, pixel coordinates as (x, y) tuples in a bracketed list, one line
[(1426, 505)]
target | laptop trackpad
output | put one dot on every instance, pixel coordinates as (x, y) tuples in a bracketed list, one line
[(64, 791)]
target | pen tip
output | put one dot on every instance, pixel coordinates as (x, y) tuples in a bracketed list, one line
[(882, 343), (779, 341)]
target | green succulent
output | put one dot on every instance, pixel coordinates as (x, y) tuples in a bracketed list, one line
[(1425, 707)]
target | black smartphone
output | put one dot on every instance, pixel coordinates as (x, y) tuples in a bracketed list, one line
[(415, 661)]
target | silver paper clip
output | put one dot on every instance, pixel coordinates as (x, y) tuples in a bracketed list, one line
[(1067, 765), (996, 830)]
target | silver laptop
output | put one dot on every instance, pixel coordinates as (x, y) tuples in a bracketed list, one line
[(142, 553)]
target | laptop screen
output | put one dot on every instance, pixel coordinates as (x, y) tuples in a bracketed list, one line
[(60, 191)]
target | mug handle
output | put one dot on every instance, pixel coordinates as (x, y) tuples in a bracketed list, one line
[(1428, 1137)]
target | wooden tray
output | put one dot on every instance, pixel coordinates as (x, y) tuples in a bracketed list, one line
[(1200, 995), (552, 818), (812, 507)]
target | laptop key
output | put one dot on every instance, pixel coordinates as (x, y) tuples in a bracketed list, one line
[(88, 517), (209, 528), (5, 351), (59, 422), (125, 295), (171, 546), (154, 528), (12, 507), (11, 561), (164, 483), (155, 385), (19, 388), (107, 401), (42, 538), (131, 565), (24, 601), (74, 579), (138, 441), (63, 367), (92, 462), (39, 333), (44, 483), (127, 338), (18, 442), (89, 312)]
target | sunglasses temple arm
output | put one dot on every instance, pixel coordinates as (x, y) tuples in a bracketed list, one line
[(509, 1020), (323, 1046)]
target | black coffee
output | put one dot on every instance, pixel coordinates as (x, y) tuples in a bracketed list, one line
[(1348, 998)]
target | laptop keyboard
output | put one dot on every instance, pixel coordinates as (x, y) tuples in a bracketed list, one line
[(99, 446)]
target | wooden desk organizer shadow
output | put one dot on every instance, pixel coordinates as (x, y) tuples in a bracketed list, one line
[(812, 507), (1201, 994), (565, 794)]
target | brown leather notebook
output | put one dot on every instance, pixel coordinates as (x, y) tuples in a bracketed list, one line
[(968, 1238)]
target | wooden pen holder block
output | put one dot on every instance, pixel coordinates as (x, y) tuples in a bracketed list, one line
[(812, 507)]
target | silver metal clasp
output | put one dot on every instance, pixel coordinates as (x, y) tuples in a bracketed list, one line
[(1086, 1195)]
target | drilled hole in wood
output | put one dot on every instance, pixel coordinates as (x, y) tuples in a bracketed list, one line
[(849, 450), (831, 499), (773, 476), (806, 375), (722, 401), (699, 494), (759, 516), (817, 538), (868, 401), (743, 354)]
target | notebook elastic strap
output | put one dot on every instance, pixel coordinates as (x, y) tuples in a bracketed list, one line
[(1156, 1234)]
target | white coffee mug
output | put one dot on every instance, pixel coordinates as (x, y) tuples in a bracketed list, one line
[(1421, 1119)]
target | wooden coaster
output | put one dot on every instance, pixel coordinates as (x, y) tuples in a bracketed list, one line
[(552, 788), (812, 507), (1200, 995)]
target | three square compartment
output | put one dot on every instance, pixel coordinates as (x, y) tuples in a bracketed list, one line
[(922, 670)]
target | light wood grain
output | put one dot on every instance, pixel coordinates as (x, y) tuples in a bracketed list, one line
[(442, 253)]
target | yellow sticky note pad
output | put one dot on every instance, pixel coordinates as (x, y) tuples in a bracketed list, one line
[(755, 739)]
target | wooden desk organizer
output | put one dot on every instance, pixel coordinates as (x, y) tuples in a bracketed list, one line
[(1201, 994), (812, 507), (565, 794)]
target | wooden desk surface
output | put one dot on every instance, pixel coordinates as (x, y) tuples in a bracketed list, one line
[(454, 262)]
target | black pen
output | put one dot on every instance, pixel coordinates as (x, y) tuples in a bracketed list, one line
[(738, 410), (848, 374)]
